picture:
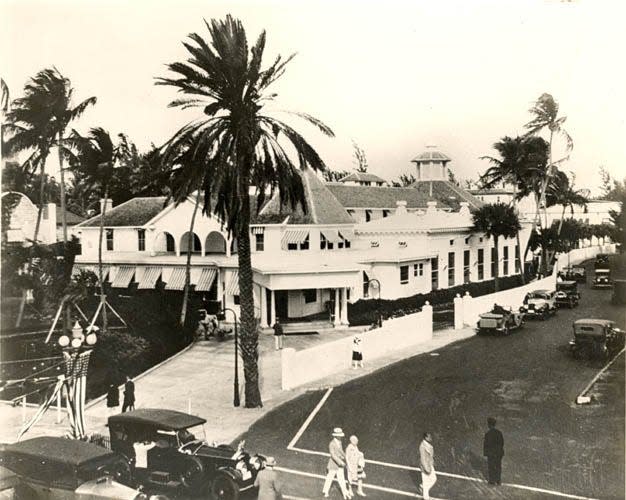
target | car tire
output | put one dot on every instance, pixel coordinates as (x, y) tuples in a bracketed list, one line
[(223, 487), (193, 475)]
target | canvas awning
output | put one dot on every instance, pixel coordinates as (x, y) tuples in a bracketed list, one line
[(346, 234), (233, 284), (331, 235), (149, 278), (78, 268), (123, 277), (258, 230), (291, 237), (207, 277), (176, 280)]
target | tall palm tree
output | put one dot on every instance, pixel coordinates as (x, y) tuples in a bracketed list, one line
[(234, 146), (496, 220), (561, 191)]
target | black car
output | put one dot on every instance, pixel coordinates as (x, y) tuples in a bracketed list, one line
[(567, 294), (574, 273), (602, 261), (596, 338), (167, 453)]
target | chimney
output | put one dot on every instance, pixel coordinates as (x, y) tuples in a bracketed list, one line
[(108, 202), (432, 207), (400, 207), (52, 223), (464, 208)]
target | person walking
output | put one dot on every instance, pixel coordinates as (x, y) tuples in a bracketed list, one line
[(493, 449), (357, 352), (336, 464), (129, 395), (270, 488), (113, 399), (278, 335), (355, 466), (427, 464)]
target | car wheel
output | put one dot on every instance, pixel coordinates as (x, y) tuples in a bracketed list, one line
[(506, 330), (193, 475), (224, 487)]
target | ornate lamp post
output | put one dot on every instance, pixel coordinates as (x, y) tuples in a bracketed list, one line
[(222, 316)]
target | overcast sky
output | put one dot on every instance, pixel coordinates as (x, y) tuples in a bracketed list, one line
[(394, 76)]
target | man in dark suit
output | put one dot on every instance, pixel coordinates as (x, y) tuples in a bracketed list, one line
[(493, 449), (129, 395)]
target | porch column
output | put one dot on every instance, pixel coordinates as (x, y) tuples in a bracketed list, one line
[(337, 321), (228, 242), (263, 303), (220, 291), (273, 308), (344, 307)]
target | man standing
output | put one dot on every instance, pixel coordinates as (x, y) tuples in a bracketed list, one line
[(427, 464), (129, 395), (493, 449), (267, 481), (278, 335), (336, 464)]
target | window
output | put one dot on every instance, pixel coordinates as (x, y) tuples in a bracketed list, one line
[(481, 264), (466, 266), (324, 243), (480, 240), (374, 244), (366, 285), (310, 295), (517, 260), (305, 244), (292, 246), (467, 240), (109, 235), (368, 215), (494, 263), (170, 245), (386, 213), (451, 268), (236, 300), (434, 273), (505, 264), (451, 242), (404, 275), (259, 242), (418, 269), (141, 240)]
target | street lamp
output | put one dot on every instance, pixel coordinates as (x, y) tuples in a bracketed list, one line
[(221, 316), (380, 320)]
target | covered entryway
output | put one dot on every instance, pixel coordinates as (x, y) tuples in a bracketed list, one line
[(282, 304)]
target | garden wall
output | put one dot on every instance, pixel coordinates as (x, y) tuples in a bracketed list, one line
[(579, 255)]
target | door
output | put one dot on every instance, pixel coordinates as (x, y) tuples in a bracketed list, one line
[(282, 302)]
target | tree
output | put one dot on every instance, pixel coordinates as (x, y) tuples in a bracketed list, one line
[(334, 175), (618, 222), (496, 220), (612, 189), (404, 180), (359, 158), (561, 191), (235, 146)]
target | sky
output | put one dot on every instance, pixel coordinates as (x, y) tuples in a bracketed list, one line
[(394, 76)]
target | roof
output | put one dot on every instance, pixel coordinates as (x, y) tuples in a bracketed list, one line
[(322, 206), (168, 420), (63, 450), (362, 177), (70, 217), (486, 192), (134, 212), (431, 154), (447, 193), (593, 321), (418, 222), (379, 197)]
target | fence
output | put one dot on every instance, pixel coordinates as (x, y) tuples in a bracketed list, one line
[(301, 367)]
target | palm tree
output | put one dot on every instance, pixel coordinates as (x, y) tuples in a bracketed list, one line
[(496, 220), (234, 146), (561, 191), (95, 162)]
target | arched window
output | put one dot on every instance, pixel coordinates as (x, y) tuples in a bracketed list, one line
[(215, 243), (190, 242), (164, 243)]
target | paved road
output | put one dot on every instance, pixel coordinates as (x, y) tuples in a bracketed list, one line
[(527, 380)]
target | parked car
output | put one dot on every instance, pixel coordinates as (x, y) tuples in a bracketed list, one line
[(567, 294), (539, 304), (176, 459), (602, 261), (59, 468), (596, 338), (500, 320), (602, 279), (574, 273)]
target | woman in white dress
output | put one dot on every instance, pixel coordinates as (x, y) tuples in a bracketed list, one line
[(355, 463)]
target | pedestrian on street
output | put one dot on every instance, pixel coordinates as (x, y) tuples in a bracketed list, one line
[(357, 352), (355, 466), (113, 399), (336, 464), (278, 335), (493, 449), (129, 395), (270, 488), (427, 464)]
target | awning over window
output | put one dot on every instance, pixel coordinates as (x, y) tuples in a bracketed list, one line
[(207, 277), (346, 234), (331, 235), (149, 278), (176, 280), (258, 230), (233, 284), (78, 268), (123, 277), (293, 237)]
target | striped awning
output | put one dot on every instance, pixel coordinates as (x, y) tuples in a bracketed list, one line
[(233, 284), (176, 280), (293, 237), (78, 268), (123, 277), (258, 230), (207, 277), (331, 235), (149, 278), (346, 234)]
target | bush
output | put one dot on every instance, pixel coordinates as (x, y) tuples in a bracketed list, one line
[(364, 312)]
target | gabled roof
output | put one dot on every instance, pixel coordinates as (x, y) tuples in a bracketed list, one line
[(381, 197), (447, 193), (70, 217), (322, 206), (362, 177), (135, 212)]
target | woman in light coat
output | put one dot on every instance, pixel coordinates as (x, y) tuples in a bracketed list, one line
[(355, 463)]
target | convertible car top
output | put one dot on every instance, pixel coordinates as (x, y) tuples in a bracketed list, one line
[(168, 420)]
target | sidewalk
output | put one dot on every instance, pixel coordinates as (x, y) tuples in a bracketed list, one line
[(200, 381)]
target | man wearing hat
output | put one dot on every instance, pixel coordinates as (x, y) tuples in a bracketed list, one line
[(336, 464), (267, 481)]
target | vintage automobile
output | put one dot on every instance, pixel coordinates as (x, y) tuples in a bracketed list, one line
[(60, 468), (596, 338), (500, 320), (602, 278), (602, 261), (166, 455), (574, 273), (539, 304), (567, 294)]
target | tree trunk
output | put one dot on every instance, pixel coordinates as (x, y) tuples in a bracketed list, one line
[(42, 192), (67, 324), (249, 333), (544, 184), (519, 246), (100, 272), (190, 240), (497, 269)]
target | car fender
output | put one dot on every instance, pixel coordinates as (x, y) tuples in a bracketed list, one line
[(234, 474)]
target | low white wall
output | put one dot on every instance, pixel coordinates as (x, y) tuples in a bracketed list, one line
[(579, 255), (301, 367)]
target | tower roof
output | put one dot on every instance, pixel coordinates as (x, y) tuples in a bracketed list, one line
[(431, 154)]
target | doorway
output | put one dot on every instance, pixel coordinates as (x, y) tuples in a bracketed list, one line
[(282, 304)]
